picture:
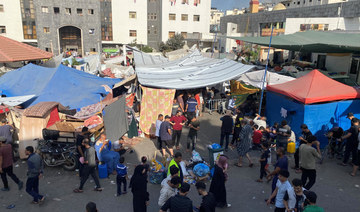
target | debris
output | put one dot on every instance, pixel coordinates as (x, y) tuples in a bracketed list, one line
[(48, 182), (357, 186), (112, 182), (57, 199), (263, 192), (254, 198), (17, 165), (10, 207), (340, 189), (59, 173)]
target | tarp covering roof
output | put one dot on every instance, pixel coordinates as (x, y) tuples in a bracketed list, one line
[(65, 85), (192, 71), (315, 87), (142, 58), (12, 51), (16, 100), (255, 78), (311, 41)]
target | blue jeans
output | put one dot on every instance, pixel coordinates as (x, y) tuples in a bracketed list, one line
[(32, 188)]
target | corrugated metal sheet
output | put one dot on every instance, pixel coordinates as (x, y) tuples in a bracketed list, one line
[(192, 71)]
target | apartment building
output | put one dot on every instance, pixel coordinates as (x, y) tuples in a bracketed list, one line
[(306, 3), (11, 20)]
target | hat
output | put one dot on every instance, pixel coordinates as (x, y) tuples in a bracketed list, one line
[(167, 117), (349, 115), (2, 139), (311, 196)]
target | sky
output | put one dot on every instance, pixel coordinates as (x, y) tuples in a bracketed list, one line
[(229, 4)]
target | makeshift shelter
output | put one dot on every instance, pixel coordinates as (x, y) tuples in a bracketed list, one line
[(314, 99), (142, 58), (240, 91), (311, 41), (12, 51), (115, 120), (256, 78), (192, 71), (65, 85)]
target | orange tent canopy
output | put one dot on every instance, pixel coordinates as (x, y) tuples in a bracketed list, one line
[(315, 87), (12, 51)]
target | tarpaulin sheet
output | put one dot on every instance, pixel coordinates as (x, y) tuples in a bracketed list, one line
[(192, 71), (320, 118), (54, 117), (153, 103), (115, 120), (240, 92), (256, 78), (66, 85), (16, 100), (315, 87)]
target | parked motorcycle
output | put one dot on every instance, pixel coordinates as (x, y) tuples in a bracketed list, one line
[(56, 153)]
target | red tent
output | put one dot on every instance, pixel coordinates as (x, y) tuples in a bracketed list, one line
[(315, 87)]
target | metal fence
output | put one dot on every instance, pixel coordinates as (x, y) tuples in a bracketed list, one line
[(218, 105)]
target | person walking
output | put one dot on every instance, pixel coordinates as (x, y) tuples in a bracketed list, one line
[(34, 173), (282, 186), (281, 164), (179, 202), (89, 167), (294, 197), (166, 136), (226, 129), (305, 134), (6, 165), (237, 126), (208, 203), (217, 186), (177, 121), (121, 177), (80, 148), (351, 142), (158, 123), (192, 136), (138, 185), (308, 157), (7, 131), (180, 101), (244, 143), (191, 107)]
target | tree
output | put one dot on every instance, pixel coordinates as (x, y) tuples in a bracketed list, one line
[(174, 43), (141, 47)]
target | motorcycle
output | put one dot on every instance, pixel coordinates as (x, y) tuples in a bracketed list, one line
[(56, 153)]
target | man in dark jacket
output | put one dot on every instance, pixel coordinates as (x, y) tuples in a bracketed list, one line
[(208, 203), (179, 202), (34, 173), (226, 129)]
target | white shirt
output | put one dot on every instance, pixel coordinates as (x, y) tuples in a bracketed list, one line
[(158, 123)]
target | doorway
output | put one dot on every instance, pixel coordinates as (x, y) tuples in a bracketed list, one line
[(70, 39)]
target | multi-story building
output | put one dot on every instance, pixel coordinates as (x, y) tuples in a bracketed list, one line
[(305, 3), (87, 25), (190, 18), (215, 16)]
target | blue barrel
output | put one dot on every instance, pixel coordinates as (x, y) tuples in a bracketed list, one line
[(102, 171)]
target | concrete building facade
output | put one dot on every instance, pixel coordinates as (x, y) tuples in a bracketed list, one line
[(305, 3), (11, 20)]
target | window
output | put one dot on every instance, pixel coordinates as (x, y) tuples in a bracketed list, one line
[(196, 17), (1, 8), (185, 2), (196, 35), (152, 16), (171, 34), (172, 17), (68, 11), (132, 14), (184, 35), (46, 29), (56, 10), (45, 9), (184, 17), (91, 11), (2, 29), (47, 49), (92, 50), (79, 11), (132, 33), (155, 31), (91, 31)]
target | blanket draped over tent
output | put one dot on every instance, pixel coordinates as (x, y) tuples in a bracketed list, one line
[(240, 92), (115, 120), (192, 71), (154, 102), (256, 78), (65, 85)]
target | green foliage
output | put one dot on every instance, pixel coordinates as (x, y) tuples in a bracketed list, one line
[(174, 43), (146, 49), (66, 62), (74, 62)]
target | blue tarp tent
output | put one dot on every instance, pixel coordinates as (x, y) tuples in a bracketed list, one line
[(314, 99), (66, 85)]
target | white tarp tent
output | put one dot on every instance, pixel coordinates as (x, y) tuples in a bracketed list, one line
[(255, 78), (16, 100), (142, 58), (192, 71)]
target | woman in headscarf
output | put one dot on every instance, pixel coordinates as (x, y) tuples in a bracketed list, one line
[(217, 186), (138, 185), (244, 143)]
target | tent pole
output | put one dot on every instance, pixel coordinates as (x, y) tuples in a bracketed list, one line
[(266, 68)]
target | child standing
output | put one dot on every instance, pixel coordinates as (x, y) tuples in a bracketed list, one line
[(121, 177), (263, 161)]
